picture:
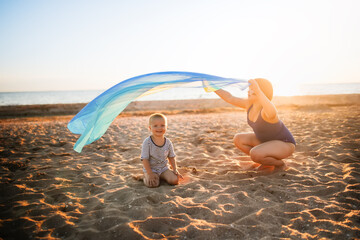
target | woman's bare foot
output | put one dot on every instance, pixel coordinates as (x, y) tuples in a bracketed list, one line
[(264, 168), (282, 167)]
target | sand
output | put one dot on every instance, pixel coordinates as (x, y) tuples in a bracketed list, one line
[(49, 191)]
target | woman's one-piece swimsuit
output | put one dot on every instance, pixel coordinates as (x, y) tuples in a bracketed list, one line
[(266, 131)]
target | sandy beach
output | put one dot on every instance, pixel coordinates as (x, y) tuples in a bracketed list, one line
[(49, 191)]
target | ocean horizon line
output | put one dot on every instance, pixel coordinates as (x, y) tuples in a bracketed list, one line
[(180, 93), (85, 90)]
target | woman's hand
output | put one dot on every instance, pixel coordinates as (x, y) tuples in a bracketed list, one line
[(254, 86)]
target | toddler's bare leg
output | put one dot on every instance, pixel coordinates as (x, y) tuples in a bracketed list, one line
[(170, 177)]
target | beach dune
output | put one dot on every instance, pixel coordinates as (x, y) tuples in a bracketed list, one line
[(47, 190)]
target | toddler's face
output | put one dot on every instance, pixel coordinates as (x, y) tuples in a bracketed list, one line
[(158, 127)]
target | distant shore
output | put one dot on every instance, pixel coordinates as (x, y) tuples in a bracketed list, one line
[(140, 108)]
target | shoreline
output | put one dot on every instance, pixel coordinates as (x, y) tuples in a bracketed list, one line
[(170, 107)]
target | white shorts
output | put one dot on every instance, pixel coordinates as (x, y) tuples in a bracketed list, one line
[(158, 171)]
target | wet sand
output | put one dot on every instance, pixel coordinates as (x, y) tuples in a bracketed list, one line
[(49, 191)]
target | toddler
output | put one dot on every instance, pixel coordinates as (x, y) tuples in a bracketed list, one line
[(157, 151)]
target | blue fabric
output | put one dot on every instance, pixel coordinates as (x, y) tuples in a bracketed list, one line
[(95, 118)]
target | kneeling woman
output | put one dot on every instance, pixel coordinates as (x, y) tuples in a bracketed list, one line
[(271, 141)]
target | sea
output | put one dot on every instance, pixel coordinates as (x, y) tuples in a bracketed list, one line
[(85, 96)]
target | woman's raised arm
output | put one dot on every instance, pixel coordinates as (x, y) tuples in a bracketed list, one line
[(268, 107), (227, 97)]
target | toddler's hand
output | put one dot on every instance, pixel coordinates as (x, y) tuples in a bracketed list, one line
[(153, 179), (178, 174)]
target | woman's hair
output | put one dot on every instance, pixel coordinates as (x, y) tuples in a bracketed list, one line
[(266, 87), (157, 116)]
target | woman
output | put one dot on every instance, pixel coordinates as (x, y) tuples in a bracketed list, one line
[(271, 141)]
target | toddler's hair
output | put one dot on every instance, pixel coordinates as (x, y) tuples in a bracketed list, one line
[(157, 116)]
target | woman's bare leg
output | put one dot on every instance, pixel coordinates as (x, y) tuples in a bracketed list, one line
[(271, 153), (246, 141)]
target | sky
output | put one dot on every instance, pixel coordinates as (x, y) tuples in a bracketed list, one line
[(88, 45)]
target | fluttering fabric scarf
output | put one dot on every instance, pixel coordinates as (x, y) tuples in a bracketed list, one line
[(95, 118)]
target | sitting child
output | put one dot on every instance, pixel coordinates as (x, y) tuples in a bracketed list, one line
[(157, 151)]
